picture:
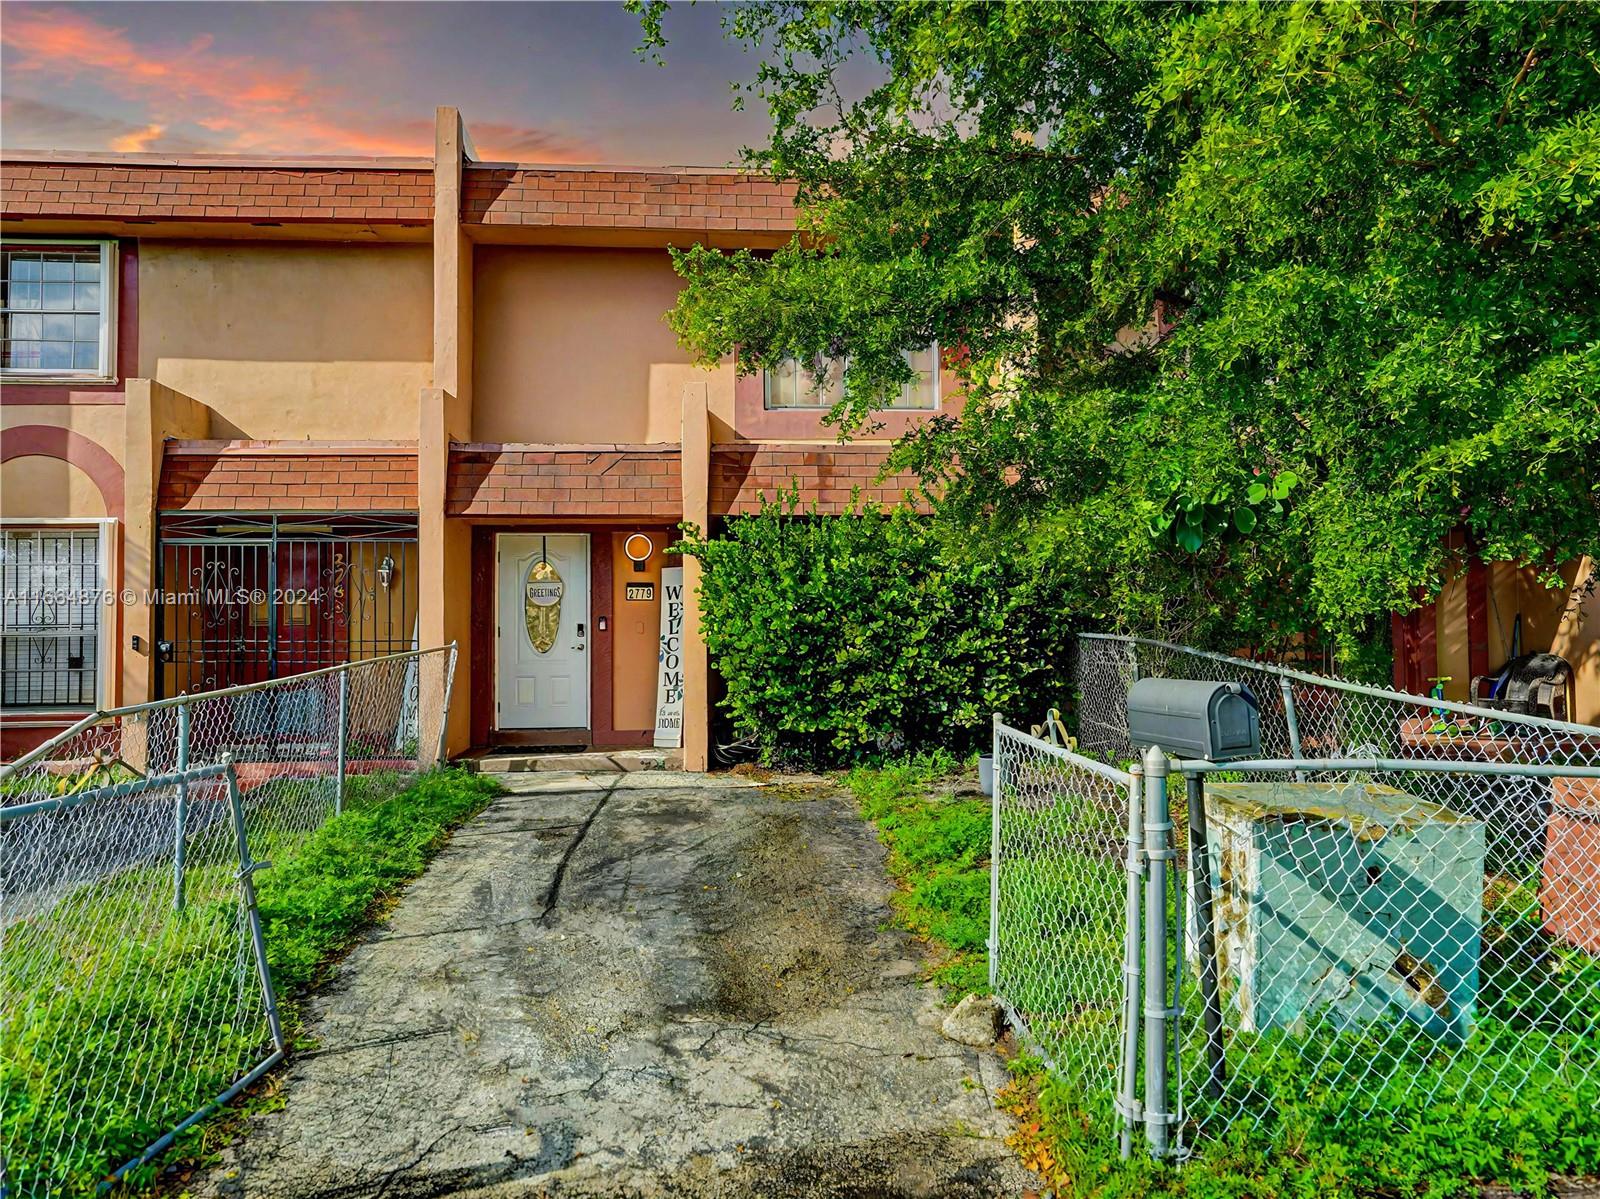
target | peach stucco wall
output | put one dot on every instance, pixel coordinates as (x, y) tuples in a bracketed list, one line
[(572, 345), (1562, 620), (36, 485), (298, 340)]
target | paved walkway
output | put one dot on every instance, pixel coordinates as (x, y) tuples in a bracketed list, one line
[(634, 985)]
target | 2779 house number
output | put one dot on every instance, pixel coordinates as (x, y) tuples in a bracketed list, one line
[(640, 591)]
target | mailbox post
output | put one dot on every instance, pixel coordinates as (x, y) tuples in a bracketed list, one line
[(1192, 719)]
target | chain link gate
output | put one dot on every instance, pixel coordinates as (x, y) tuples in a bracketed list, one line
[(127, 847), (89, 931), (1397, 906), (1064, 873)]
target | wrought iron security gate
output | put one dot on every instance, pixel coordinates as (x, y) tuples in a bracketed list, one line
[(250, 596)]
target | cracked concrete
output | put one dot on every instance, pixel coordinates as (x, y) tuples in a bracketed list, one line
[(637, 985)]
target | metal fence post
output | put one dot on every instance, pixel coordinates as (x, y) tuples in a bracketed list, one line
[(994, 860), (343, 736), (1158, 852), (1292, 720), (1205, 932), (181, 814), (247, 888), (1129, 1109), (444, 711)]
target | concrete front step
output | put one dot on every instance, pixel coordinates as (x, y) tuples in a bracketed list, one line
[(620, 761)]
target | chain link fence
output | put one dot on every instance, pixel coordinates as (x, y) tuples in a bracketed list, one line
[(136, 995), (1393, 912), (1058, 898)]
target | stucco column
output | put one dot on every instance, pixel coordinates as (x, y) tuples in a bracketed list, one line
[(444, 564), (151, 414), (696, 464), (444, 545)]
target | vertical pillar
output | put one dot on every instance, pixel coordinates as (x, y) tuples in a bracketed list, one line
[(696, 465), (1477, 618), (1402, 640), (444, 597), (151, 414), (1158, 854)]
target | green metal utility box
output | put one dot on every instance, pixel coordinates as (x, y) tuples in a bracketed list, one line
[(1349, 903)]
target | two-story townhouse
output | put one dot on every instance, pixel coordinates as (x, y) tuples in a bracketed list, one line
[(289, 413)]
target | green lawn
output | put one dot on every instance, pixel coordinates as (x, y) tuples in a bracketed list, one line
[(123, 1015)]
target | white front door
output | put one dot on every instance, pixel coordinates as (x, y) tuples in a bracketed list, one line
[(542, 643)]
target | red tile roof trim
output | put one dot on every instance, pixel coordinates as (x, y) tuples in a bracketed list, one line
[(594, 482), (834, 478), (335, 482), (642, 199), (141, 191)]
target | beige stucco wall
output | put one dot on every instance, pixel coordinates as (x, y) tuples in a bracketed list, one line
[(40, 486), (1562, 620), (572, 345), (35, 486), (290, 341)]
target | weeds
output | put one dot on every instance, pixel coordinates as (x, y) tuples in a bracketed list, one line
[(939, 854)]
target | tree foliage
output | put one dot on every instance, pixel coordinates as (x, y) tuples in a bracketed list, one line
[(1255, 303)]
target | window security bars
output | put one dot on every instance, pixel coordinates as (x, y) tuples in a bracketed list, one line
[(791, 383), (50, 629), (1396, 908), (127, 847)]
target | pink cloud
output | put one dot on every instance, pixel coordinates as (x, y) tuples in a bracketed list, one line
[(37, 124), (249, 104)]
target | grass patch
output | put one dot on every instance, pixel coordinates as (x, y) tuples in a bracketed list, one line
[(939, 854), (1315, 1145), (123, 1015)]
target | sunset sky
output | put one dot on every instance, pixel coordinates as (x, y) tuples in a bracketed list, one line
[(537, 82)]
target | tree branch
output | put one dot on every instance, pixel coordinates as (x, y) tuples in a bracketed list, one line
[(1400, 90), (1527, 65)]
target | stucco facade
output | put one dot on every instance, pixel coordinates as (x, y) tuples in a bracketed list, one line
[(432, 364)]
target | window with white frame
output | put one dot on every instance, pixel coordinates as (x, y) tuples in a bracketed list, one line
[(56, 305), (791, 385), (50, 630)]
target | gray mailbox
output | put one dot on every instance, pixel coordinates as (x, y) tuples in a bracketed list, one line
[(1215, 721)]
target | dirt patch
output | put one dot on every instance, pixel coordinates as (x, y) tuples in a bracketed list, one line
[(929, 1166), (795, 938)]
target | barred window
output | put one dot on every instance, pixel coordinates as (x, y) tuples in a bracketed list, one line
[(55, 310), (791, 384), (50, 629)]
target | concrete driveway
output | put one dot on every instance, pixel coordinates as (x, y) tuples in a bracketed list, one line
[(643, 984)]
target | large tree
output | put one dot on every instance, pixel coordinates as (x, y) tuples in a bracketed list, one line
[(1255, 303)]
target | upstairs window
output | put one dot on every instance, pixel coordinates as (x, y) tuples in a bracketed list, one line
[(55, 310), (791, 385)]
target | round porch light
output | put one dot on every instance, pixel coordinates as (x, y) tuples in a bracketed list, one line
[(638, 547)]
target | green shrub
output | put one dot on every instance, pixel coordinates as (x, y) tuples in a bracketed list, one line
[(124, 1016), (844, 639)]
